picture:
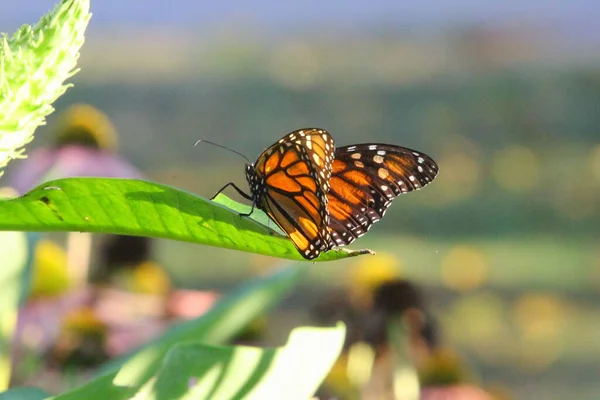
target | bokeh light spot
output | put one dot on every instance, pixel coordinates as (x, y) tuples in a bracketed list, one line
[(479, 321), (539, 315), (595, 162), (516, 168), (459, 176), (464, 268)]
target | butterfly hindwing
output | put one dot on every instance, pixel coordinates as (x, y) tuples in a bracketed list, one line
[(291, 182), (365, 179)]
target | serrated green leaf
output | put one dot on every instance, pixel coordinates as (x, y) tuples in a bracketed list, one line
[(34, 64), (124, 376), (134, 207), (292, 372)]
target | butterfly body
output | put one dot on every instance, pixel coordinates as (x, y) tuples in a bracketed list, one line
[(290, 181), (323, 197)]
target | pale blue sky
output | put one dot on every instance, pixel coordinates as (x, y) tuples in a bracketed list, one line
[(578, 15), (569, 24)]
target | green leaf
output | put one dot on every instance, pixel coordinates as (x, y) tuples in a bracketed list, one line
[(23, 393), (134, 207), (15, 259), (101, 387), (222, 322), (292, 372), (34, 63), (257, 215)]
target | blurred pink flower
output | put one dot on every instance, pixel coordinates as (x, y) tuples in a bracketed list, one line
[(69, 161), (39, 321), (456, 392), (188, 304)]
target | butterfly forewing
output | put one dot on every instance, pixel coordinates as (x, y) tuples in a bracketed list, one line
[(291, 184), (365, 179)]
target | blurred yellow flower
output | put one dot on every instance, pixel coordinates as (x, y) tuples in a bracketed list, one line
[(338, 382), (444, 367), (83, 320), (84, 124), (150, 278), (370, 272), (50, 276)]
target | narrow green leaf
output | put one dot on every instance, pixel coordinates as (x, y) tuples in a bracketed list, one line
[(406, 379), (101, 387), (23, 393), (292, 372), (133, 207), (15, 258), (34, 63), (217, 326)]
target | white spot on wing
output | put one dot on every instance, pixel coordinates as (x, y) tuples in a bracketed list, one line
[(383, 173)]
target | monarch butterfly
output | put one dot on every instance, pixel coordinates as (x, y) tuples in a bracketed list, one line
[(324, 198)]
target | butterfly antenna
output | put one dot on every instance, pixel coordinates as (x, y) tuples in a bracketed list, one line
[(223, 147)]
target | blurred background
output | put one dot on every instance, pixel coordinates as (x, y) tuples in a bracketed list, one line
[(504, 95)]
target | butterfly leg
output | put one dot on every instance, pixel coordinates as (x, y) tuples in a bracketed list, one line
[(241, 192), (246, 196), (250, 213)]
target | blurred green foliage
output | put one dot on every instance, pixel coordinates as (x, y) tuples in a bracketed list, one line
[(516, 149)]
